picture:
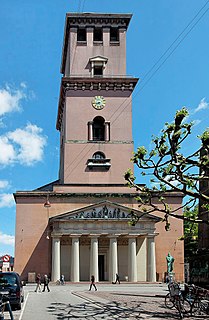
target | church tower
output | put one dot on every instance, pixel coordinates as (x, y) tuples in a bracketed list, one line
[(78, 225), (95, 111)]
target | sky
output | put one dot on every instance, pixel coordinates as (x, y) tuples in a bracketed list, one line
[(167, 49)]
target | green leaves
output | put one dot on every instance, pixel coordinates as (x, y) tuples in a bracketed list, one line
[(205, 138), (171, 171), (141, 152)]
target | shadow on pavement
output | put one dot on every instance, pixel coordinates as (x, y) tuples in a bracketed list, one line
[(112, 310)]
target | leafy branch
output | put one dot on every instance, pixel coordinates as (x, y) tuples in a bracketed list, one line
[(172, 172)]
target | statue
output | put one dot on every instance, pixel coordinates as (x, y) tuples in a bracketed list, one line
[(170, 261)]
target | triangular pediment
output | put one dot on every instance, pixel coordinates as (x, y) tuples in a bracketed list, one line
[(104, 210), (98, 59)]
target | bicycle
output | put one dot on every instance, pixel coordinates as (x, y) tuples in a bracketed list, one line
[(199, 300), (176, 299), (4, 303)]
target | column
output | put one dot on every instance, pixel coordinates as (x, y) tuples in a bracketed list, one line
[(107, 131), (151, 263), (90, 130), (55, 258), (132, 264), (75, 267), (94, 258), (113, 259)]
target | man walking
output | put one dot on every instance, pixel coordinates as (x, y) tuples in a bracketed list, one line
[(38, 283), (46, 283)]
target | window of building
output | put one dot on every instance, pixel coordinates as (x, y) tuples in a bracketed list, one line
[(114, 34), (98, 129), (97, 66), (81, 34), (98, 155), (99, 162), (98, 35), (98, 70)]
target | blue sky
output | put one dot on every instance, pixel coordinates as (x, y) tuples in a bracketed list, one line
[(31, 34)]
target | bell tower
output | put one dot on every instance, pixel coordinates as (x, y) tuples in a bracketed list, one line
[(95, 106)]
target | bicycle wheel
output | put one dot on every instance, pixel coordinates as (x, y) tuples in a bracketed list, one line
[(185, 306), (196, 309), (169, 301)]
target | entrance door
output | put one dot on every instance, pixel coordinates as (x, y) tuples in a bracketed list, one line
[(101, 260)]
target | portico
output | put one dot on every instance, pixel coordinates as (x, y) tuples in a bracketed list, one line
[(104, 244)]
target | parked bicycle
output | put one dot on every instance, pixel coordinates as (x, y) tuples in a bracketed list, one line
[(199, 300), (5, 305), (176, 299)]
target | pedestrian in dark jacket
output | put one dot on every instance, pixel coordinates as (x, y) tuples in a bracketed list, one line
[(38, 283), (117, 278), (46, 283), (93, 283)]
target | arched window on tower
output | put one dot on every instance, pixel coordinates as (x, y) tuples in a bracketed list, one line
[(99, 162), (98, 155), (98, 129)]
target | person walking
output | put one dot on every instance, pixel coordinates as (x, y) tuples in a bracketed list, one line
[(38, 283), (117, 278), (62, 279), (46, 283), (93, 283)]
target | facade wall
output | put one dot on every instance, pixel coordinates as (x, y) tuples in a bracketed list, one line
[(33, 250), (79, 54)]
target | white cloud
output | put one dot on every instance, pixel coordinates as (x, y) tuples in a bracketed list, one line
[(202, 105), (7, 200), (7, 154), (23, 85), (4, 184), (10, 99), (7, 239), (25, 146), (196, 122), (31, 143)]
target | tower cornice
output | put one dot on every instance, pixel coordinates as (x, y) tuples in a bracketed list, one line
[(95, 18), (122, 83)]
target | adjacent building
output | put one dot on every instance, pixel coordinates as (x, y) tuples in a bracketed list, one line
[(78, 225)]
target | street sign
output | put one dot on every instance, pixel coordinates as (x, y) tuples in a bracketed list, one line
[(6, 258), (6, 265)]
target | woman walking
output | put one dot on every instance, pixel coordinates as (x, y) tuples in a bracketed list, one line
[(93, 283)]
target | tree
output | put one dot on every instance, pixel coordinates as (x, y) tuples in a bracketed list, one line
[(172, 172), (190, 236)]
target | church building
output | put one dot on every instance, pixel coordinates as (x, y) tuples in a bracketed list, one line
[(79, 225)]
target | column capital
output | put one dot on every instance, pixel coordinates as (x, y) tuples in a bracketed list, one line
[(56, 235), (151, 235), (132, 235), (94, 235), (110, 236), (74, 235)]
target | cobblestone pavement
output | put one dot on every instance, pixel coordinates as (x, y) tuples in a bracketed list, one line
[(117, 305), (74, 301)]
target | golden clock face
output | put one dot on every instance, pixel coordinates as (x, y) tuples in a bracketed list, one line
[(98, 102)]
